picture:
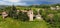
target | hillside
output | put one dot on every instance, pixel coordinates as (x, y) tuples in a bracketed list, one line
[(11, 23)]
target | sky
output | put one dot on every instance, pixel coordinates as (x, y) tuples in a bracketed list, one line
[(27, 2)]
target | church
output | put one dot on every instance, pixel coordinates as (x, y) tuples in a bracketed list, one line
[(29, 13)]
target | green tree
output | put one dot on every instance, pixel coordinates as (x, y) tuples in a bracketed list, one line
[(13, 12), (23, 16)]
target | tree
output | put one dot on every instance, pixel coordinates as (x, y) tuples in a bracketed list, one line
[(13, 12), (23, 16)]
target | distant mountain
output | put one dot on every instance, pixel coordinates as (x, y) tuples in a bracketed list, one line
[(3, 6)]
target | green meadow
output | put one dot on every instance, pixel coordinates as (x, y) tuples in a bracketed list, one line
[(12, 23)]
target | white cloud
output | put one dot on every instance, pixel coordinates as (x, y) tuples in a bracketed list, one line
[(10, 3), (23, 2), (2, 3), (12, 0), (20, 3), (27, 0)]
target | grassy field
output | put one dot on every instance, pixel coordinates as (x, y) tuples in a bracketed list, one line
[(11, 23)]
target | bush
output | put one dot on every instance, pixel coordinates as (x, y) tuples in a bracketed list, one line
[(23, 16), (13, 12)]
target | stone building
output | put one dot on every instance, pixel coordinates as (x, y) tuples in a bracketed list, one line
[(38, 16), (52, 8), (55, 8), (29, 13), (4, 14)]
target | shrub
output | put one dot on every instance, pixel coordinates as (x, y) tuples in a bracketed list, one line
[(23, 16), (12, 12)]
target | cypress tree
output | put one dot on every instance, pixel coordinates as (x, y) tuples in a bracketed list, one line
[(13, 12)]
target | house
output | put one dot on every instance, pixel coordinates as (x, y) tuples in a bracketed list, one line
[(38, 16), (55, 8), (52, 8), (4, 14)]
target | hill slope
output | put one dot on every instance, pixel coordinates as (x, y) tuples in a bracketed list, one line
[(11, 23)]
